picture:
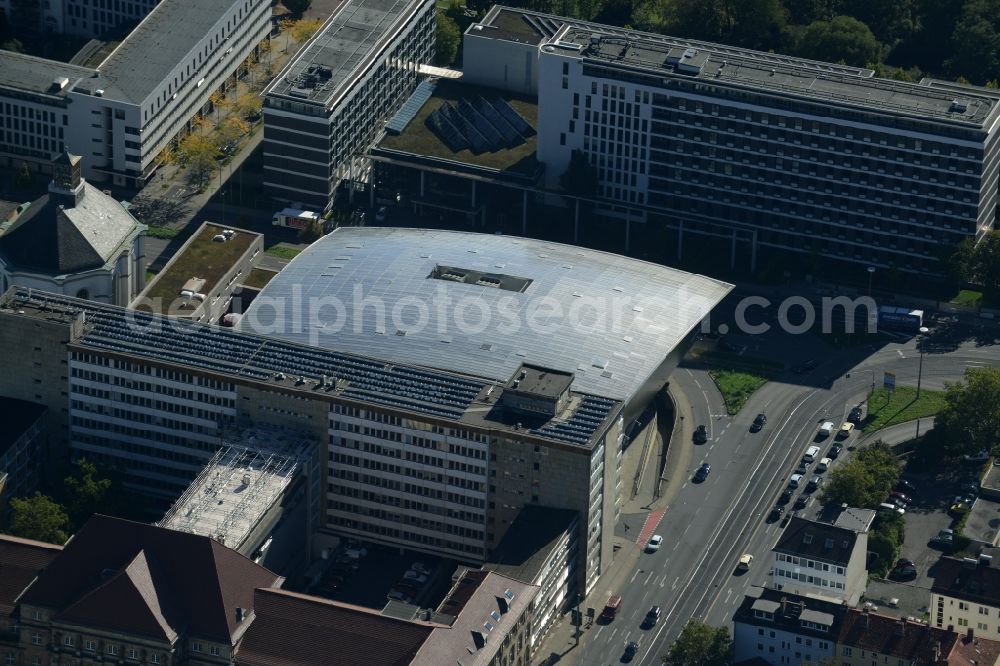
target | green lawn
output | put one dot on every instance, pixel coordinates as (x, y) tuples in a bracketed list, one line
[(734, 361), (902, 407), (258, 278), (968, 297), (736, 387), (155, 231), (282, 251)]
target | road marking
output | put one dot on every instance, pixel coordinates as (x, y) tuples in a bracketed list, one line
[(648, 577), (634, 576), (900, 352), (674, 586)]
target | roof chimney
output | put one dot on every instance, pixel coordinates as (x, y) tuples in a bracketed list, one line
[(784, 605), (902, 626), (864, 614), (241, 614)]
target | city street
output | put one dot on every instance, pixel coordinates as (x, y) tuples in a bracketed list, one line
[(707, 526)]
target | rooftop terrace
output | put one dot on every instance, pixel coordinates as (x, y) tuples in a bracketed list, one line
[(333, 58), (419, 139)]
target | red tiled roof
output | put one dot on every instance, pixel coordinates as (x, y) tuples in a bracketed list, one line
[(973, 650), (292, 629), (202, 581), (890, 636), (20, 562)]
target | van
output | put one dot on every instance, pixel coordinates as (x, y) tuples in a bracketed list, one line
[(824, 464), (811, 454), (885, 506), (612, 608), (826, 429)]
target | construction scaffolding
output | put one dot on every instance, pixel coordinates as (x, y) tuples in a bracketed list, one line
[(232, 494)]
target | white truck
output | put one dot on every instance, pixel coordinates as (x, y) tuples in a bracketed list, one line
[(294, 218)]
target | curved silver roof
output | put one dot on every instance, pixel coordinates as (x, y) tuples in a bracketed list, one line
[(483, 304)]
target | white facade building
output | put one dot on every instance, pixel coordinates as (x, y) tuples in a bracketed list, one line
[(965, 596), (782, 628), (123, 113), (820, 560)]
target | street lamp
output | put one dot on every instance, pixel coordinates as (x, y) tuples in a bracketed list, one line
[(920, 368), (871, 272)]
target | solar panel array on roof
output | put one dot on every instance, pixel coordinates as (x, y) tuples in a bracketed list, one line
[(412, 105), (480, 126), (580, 427)]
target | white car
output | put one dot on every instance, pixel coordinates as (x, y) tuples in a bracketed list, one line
[(415, 577), (654, 544)]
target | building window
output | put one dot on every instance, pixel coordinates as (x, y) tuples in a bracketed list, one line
[(36, 638), (9, 661), (196, 647), (214, 650), (847, 652), (68, 641), (36, 615), (36, 661), (90, 645), (133, 653), (154, 658), (112, 649)]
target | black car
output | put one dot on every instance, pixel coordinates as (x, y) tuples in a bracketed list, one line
[(855, 415), (775, 514), (700, 435), (702, 472), (802, 468), (903, 573), (903, 562), (786, 496), (631, 649), (800, 503), (814, 483), (758, 423), (652, 617), (835, 451)]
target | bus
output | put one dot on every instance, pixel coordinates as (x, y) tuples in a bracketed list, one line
[(900, 319)]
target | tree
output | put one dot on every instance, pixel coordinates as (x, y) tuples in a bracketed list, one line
[(198, 152), (970, 420), (975, 43), (841, 38), (84, 491), (752, 23), (977, 263), (302, 31), (889, 20), (447, 41), (864, 481), (22, 177), (297, 6), (580, 177), (40, 518), (12, 44), (700, 644), (249, 105), (311, 232)]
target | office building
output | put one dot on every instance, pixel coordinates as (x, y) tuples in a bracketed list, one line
[(75, 240), (757, 151), (79, 18), (821, 560), (325, 108), (430, 439), (122, 113), (23, 446)]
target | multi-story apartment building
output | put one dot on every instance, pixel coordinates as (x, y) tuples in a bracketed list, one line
[(120, 115), (965, 596), (821, 560), (782, 628), (325, 108), (424, 446), (768, 151)]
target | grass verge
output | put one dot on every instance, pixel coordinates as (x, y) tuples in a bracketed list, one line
[(258, 278), (969, 298), (282, 252), (735, 361), (156, 231), (736, 387), (902, 406)]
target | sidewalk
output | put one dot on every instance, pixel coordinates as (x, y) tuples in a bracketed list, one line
[(563, 638)]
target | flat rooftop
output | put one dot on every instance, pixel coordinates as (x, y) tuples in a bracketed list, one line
[(529, 541), (310, 370), (728, 66), (236, 489), (349, 40), (419, 139), (200, 257), (161, 40), (538, 381), (612, 320), (38, 75)]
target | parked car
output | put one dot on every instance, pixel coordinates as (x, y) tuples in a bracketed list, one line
[(970, 488), (814, 483), (800, 502), (775, 514), (846, 428), (825, 430), (700, 435), (702, 472), (903, 573), (415, 577), (855, 415), (786, 496), (885, 506), (904, 562), (978, 457), (421, 568), (802, 468), (900, 496), (834, 451), (654, 544), (758, 423), (795, 480)]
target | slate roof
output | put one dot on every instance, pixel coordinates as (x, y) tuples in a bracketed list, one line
[(817, 541), (37, 241), (20, 561), (291, 629), (131, 577), (789, 611), (979, 583), (888, 636)]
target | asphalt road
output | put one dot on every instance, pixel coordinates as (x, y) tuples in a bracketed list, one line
[(709, 525)]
